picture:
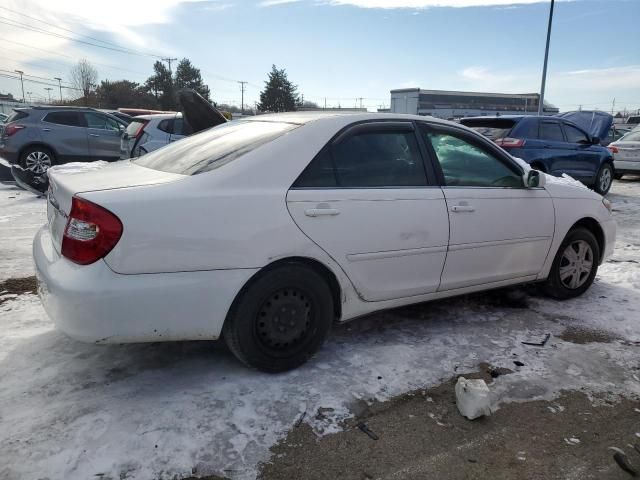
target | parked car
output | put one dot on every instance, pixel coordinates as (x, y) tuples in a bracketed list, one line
[(267, 230), (554, 145), (126, 118), (38, 137), (626, 154), (3, 117), (615, 133), (147, 133)]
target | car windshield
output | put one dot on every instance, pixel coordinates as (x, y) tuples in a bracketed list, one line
[(214, 147), (631, 137)]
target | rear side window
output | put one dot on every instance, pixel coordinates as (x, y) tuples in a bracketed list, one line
[(16, 116), (575, 135), (214, 147), (319, 174), (492, 128), (551, 131), (166, 125), (379, 159), (70, 119)]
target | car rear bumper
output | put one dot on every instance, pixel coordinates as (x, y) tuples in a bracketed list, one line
[(94, 304), (626, 166)]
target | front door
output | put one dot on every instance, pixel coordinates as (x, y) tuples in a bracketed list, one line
[(586, 155), (104, 135), (366, 199), (500, 230)]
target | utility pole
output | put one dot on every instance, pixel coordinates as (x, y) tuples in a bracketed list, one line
[(325, 103), (613, 106), (169, 60), (21, 82), (48, 89), (360, 99), (546, 59), (59, 85), (242, 84)]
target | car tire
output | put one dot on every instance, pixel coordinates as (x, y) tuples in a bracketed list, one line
[(280, 319), (37, 159), (604, 179), (569, 277)]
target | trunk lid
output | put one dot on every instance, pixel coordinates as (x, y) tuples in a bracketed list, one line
[(70, 179), (197, 112)]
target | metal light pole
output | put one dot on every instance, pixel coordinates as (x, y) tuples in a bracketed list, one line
[(59, 85), (48, 89), (21, 82), (546, 58)]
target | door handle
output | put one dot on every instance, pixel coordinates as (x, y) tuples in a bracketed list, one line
[(94, 135), (462, 208), (46, 129), (317, 212)]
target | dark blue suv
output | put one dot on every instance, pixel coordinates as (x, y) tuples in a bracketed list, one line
[(554, 144)]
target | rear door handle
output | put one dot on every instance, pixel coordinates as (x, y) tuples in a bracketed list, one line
[(317, 212), (94, 135), (46, 129), (462, 208)]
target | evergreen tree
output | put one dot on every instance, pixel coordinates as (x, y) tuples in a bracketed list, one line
[(188, 76), (160, 84), (123, 93), (279, 94)]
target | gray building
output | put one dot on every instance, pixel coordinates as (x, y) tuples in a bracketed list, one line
[(453, 105)]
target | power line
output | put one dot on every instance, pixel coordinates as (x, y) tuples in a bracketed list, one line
[(16, 24), (62, 28)]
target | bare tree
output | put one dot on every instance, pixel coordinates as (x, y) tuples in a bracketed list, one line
[(84, 76)]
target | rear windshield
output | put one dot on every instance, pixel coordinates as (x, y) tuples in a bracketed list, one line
[(631, 137), (492, 128), (214, 147), (17, 115), (134, 126)]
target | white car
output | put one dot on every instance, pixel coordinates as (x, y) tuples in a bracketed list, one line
[(267, 230), (147, 133), (626, 154)]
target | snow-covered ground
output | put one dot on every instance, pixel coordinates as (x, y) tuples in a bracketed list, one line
[(74, 411)]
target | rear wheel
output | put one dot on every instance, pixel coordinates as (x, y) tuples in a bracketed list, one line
[(37, 159), (281, 319), (604, 179), (575, 265)]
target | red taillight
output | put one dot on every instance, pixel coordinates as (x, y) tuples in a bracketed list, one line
[(140, 130), (613, 148), (12, 129), (508, 142), (91, 232)]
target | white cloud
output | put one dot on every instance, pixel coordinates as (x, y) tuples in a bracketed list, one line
[(389, 4), (623, 77), (272, 3)]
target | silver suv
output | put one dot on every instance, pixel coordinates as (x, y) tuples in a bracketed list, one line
[(147, 133), (37, 137)]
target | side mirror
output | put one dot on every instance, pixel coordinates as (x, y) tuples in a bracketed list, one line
[(534, 179), (595, 140)]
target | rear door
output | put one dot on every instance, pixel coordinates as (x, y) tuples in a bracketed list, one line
[(104, 135), (585, 155), (368, 201), (499, 230), (558, 153), (65, 132)]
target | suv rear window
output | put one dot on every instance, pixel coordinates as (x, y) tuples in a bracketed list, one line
[(215, 147), (492, 128), (16, 115)]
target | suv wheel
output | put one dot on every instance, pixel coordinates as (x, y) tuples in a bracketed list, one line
[(604, 179), (281, 319), (37, 160)]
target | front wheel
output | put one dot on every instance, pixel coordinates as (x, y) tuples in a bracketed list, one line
[(281, 319), (575, 265), (604, 179)]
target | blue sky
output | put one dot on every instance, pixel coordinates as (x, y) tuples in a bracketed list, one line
[(343, 49)]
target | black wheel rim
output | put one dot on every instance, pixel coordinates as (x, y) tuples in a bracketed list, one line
[(284, 320)]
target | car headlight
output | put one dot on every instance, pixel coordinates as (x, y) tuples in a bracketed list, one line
[(607, 204)]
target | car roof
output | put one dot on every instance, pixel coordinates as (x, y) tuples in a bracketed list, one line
[(158, 116), (505, 117), (302, 118)]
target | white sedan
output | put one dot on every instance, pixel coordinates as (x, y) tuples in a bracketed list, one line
[(267, 231)]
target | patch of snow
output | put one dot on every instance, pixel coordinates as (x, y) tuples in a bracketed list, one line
[(79, 167)]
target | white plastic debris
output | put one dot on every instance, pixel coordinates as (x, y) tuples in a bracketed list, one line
[(472, 398)]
